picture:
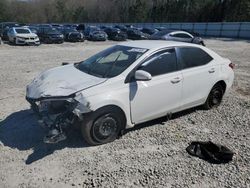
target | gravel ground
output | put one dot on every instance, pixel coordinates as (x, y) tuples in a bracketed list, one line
[(150, 155)]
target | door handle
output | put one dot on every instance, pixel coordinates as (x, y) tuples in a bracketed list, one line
[(212, 70), (176, 80)]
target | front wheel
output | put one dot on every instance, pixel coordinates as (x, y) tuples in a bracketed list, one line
[(102, 126), (215, 97)]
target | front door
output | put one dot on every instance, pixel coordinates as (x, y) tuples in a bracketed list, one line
[(160, 95)]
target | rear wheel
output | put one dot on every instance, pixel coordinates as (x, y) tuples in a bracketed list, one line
[(215, 97), (102, 126)]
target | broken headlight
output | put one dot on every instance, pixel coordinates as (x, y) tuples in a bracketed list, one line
[(57, 106)]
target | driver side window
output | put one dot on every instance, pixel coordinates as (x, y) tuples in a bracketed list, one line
[(160, 63), (182, 35)]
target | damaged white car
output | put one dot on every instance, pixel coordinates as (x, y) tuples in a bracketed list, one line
[(22, 36), (127, 84)]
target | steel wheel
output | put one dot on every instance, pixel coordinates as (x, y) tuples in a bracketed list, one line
[(215, 97), (104, 128)]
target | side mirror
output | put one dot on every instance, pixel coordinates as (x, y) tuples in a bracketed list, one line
[(142, 75)]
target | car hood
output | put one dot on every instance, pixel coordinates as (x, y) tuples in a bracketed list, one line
[(61, 82), (26, 35)]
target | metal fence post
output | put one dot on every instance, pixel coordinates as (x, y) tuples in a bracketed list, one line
[(239, 30), (221, 27), (205, 32)]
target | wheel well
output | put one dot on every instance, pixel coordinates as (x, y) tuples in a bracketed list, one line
[(223, 84), (115, 108)]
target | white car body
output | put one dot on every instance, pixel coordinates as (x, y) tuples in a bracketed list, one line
[(24, 37), (139, 100)]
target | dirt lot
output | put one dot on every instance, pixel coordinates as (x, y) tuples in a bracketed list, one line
[(151, 155)]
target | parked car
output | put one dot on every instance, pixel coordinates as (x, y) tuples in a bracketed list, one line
[(72, 35), (110, 91), (90, 29), (115, 34), (98, 36), (33, 29), (129, 26), (44, 26), (22, 36), (149, 31), (135, 34), (176, 35), (80, 28), (50, 35), (94, 33), (4, 27), (161, 28), (189, 31), (55, 25), (5, 34), (73, 26), (121, 27)]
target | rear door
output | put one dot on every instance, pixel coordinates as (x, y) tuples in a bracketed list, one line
[(199, 72), (160, 95)]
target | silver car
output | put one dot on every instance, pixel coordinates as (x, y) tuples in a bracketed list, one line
[(22, 35), (177, 35)]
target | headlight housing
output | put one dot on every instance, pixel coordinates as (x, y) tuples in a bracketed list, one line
[(56, 106)]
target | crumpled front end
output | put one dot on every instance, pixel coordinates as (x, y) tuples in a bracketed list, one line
[(58, 114), (56, 96)]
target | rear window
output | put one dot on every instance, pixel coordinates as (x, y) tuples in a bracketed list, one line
[(193, 57)]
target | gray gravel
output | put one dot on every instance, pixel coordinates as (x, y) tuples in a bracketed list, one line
[(150, 155)]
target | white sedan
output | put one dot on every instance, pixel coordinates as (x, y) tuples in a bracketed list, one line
[(127, 84), (22, 35)]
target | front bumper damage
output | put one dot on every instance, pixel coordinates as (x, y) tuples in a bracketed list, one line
[(28, 41), (58, 114)]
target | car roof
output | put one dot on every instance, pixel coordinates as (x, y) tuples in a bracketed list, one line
[(155, 44), (24, 27)]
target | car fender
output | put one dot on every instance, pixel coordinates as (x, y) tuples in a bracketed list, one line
[(226, 74), (119, 99)]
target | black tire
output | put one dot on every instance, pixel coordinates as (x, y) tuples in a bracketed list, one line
[(215, 97), (103, 126)]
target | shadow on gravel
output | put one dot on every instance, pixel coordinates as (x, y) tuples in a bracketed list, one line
[(21, 131)]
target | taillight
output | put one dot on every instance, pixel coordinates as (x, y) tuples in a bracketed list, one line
[(232, 65)]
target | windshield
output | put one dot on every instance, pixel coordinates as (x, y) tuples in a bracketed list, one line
[(22, 31), (52, 31), (111, 62)]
